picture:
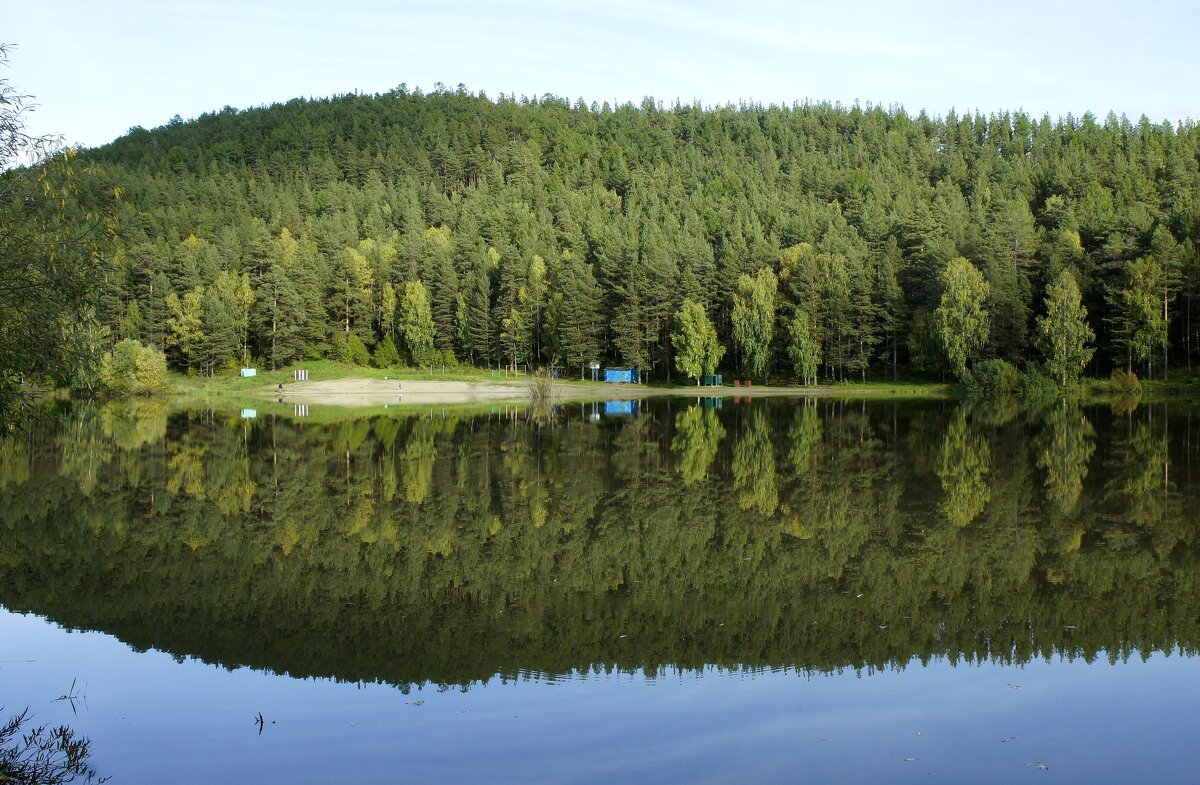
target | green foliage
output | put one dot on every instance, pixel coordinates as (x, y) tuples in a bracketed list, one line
[(994, 379), (133, 369), (753, 320), (1039, 389), (1125, 383), (550, 233), (356, 352), (339, 348), (803, 350), (697, 350), (961, 321), (386, 355), (1142, 327), (185, 325), (1064, 336), (279, 310), (415, 320), (57, 223)]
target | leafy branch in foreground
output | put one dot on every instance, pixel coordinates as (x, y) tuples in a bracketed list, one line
[(52, 242), (43, 755)]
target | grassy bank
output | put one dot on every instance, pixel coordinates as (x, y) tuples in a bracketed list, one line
[(229, 391), (229, 388)]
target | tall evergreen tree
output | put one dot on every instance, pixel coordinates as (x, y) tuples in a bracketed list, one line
[(279, 317)]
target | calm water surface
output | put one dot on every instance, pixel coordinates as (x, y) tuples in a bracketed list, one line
[(670, 591)]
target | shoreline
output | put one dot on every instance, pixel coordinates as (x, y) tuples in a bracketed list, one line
[(356, 392)]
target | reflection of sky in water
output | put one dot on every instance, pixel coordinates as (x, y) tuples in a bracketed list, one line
[(154, 719)]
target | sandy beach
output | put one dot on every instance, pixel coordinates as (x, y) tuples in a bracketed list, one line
[(377, 392), (357, 392)]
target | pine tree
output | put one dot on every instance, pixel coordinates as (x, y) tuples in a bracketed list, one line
[(350, 301), (279, 317), (578, 318)]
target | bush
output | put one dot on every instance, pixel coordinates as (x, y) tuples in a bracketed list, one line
[(133, 369), (1125, 383), (993, 379), (386, 355), (356, 351), (339, 351), (1039, 389)]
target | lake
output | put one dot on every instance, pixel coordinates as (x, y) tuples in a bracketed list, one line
[(665, 590)]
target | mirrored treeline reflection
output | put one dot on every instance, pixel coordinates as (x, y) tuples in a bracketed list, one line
[(434, 547)]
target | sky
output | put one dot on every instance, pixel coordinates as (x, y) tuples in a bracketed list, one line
[(98, 69)]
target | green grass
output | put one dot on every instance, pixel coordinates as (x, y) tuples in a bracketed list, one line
[(230, 386), (230, 391)]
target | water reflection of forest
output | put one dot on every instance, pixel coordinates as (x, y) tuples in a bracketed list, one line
[(418, 548)]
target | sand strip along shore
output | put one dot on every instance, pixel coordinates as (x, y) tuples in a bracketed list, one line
[(377, 392), (358, 392)]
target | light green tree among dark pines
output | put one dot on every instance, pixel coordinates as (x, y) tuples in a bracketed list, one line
[(753, 320), (697, 350), (962, 319), (416, 322), (1063, 333), (803, 349)]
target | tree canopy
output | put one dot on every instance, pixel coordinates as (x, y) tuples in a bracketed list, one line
[(548, 232)]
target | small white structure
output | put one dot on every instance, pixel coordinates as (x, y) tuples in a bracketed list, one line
[(249, 372), (249, 414), (300, 375)]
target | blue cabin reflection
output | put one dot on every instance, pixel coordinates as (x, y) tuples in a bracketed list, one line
[(620, 408)]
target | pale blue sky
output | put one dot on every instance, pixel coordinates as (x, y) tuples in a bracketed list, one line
[(98, 68)]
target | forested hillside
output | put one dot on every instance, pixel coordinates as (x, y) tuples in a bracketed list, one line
[(410, 227)]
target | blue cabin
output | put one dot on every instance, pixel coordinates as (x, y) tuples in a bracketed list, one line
[(620, 375)]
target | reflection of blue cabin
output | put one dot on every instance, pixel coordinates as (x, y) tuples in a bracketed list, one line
[(620, 375), (614, 408)]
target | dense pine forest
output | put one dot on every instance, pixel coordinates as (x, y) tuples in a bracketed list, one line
[(814, 242)]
